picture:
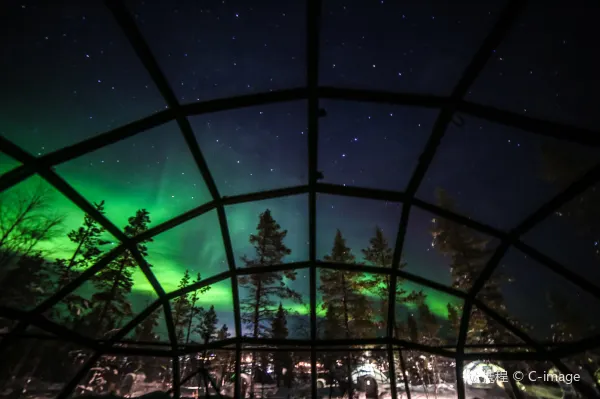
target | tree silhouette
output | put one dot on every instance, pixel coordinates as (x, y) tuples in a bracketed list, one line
[(26, 285), (146, 330), (454, 315), (207, 325), (89, 242), (343, 295), (345, 304), (26, 219), (265, 288), (115, 281), (379, 253), (469, 253), (429, 326), (281, 360), (226, 360), (182, 309)]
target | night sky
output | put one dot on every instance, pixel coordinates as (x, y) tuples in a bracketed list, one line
[(69, 73)]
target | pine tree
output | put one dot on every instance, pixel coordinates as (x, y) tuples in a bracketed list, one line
[(182, 308), (265, 287), (115, 282), (469, 253), (145, 331), (429, 326), (412, 327), (343, 293), (454, 316), (223, 333), (26, 284), (562, 168), (224, 357), (380, 254), (89, 241), (281, 360), (344, 302), (195, 310), (207, 326)]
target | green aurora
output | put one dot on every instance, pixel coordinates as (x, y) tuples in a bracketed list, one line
[(195, 245)]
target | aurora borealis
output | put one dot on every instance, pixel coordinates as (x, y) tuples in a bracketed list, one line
[(73, 75)]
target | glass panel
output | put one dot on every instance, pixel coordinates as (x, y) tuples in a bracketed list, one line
[(371, 145), (587, 367), (128, 376), (45, 242), (278, 373), (367, 229), (291, 213), (71, 74), (204, 315), (103, 305), (429, 375), (445, 252), (544, 304), (571, 236), (359, 372), (425, 315), (494, 173), (555, 81), (350, 304), (196, 245), (500, 379), (496, 379), (256, 148), (487, 333), (417, 47), (275, 304), (153, 170), (7, 163), (220, 366), (226, 48), (33, 368)]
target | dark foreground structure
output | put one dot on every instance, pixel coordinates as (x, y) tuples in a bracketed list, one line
[(371, 327)]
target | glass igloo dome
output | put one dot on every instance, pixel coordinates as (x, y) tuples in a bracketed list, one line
[(326, 199)]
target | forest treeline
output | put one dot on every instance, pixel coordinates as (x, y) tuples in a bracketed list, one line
[(353, 303)]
